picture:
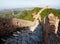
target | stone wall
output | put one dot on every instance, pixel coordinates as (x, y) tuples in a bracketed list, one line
[(6, 26), (51, 24), (9, 25)]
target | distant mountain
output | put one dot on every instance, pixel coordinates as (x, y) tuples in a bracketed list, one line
[(26, 13), (15, 10)]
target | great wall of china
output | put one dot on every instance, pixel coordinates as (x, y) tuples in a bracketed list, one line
[(10, 25), (50, 25)]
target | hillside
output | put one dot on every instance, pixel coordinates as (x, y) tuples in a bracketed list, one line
[(27, 14)]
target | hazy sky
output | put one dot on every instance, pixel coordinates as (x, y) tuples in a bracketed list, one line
[(28, 3)]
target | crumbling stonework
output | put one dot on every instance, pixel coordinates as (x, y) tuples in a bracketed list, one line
[(9, 25), (6, 26), (51, 23), (53, 20)]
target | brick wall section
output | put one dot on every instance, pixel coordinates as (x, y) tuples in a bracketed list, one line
[(9, 25), (51, 24), (6, 26)]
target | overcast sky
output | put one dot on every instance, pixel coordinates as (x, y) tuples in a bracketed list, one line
[(28, 3)]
